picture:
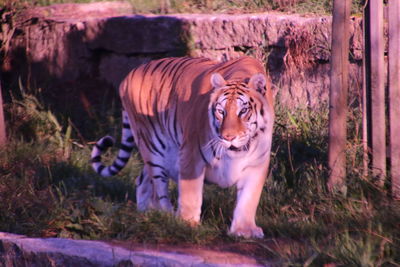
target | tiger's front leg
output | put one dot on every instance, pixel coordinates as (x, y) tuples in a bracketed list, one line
[(248, 196), (190, 187)]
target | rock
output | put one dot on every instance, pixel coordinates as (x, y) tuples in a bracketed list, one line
[(87, 43), (17, 250)]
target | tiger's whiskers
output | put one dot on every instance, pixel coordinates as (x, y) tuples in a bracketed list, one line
[(216, 146)]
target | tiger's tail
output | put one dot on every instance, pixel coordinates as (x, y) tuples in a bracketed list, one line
[(127, 144)]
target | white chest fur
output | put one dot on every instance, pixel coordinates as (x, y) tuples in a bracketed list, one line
[(234, 166)]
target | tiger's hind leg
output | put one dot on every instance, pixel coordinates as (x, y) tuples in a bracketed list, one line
[(144, 191), (159, 180), (152, 189)]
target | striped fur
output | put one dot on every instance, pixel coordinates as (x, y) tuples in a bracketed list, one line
[(197, 120), (124, 153)]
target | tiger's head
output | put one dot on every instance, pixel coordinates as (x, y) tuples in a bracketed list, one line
[(237, 112)]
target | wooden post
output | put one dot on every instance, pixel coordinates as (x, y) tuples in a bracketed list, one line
[(366, 93), (2, 122), (338, 95), (377, 76), (394, 93)]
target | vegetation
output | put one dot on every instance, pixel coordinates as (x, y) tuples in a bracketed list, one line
[(219, 6), (47, 188)]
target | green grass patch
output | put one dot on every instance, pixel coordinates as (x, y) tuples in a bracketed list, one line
[(47, 188)]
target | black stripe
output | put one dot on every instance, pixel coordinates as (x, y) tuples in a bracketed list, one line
[(262, 129), (101, 147), (158, 115), (155, 132), (141, 176), (155, 149), (157, 66), (176, 66), (107, 142), (150, 146), (130, 139), (118, 166), (100, 168), (174, 123), (126, 148), (161, 197), (262, 112), (164, 69), (155, 165), (146, 69), (123, 159), (145, 141), (126, 125), (213, 150), (96, 159)]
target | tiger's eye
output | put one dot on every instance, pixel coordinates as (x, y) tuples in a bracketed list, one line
[(243, 111), (221, 111)]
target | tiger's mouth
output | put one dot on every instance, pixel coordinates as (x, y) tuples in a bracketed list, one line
[(233, 148), (241, 148)]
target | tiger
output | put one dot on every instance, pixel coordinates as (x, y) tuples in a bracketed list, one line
[(195, 120)]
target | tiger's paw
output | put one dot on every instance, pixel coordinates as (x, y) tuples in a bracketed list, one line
[(247, 232), (192, 221)]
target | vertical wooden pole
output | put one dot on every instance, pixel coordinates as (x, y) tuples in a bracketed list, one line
[(366, 95), (394, 94), (377, 91), (338, 95), (2, 122)]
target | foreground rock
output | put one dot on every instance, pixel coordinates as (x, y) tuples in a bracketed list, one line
[(16, 250)]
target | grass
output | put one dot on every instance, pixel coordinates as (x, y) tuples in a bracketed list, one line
[(48, 189)]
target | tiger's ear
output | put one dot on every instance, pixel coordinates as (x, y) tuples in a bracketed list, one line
[(217, 80), (258, 82)]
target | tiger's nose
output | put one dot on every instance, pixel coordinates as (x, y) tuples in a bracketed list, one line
[(228, 137)]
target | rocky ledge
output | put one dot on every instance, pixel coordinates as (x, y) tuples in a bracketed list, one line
[(17, 250)]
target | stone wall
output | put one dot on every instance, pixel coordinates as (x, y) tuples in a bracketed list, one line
[(88, 49)]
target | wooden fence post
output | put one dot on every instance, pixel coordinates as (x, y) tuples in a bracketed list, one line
[(394, 93), (366, 92), (377, 76), (2, 122), (338, 95)]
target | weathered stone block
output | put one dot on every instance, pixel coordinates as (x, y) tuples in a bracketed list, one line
[(81, 44)]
